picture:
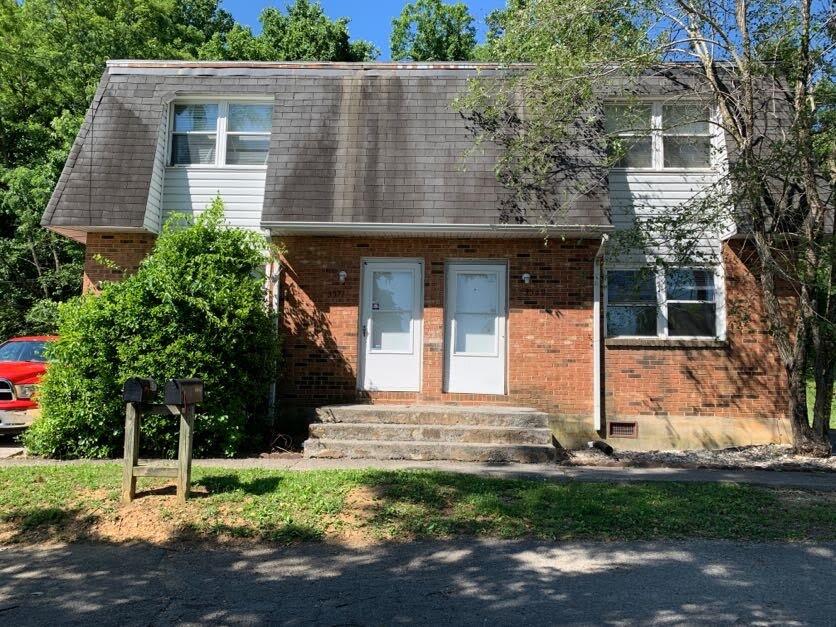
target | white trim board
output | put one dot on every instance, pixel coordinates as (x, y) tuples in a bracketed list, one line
[(412, 228)]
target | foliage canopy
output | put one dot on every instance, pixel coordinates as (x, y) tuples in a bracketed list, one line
[(430, 30), (765, 67), (52, 54)]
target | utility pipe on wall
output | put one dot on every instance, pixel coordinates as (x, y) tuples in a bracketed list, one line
[(596, 336)]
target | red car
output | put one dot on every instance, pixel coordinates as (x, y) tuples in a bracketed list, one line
[(22, 364)]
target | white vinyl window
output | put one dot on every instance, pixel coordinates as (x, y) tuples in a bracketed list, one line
[(691, 302), (686, 138), (631, 303), (631, 126), (676, 303), (655, 135), (222, 133)]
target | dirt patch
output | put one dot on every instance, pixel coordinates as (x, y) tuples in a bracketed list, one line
[(139, 521), (155, 516), (770, 457), (362, 504)]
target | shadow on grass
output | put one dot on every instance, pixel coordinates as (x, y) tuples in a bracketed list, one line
[(231, 482), (48, 524), (432, 504)]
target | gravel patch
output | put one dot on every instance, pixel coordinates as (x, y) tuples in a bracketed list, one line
[(768, 457)]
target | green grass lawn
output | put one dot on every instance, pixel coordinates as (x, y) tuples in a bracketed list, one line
[(811, 399), (76, 502)]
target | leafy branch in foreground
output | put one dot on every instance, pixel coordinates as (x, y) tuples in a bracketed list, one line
[(762, 73)]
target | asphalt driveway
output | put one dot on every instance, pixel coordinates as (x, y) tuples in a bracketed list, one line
[(465, 582)]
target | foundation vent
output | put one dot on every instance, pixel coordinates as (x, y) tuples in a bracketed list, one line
[(623, 430)]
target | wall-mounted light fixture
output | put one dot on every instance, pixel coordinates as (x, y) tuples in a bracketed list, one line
[(526, 278), (342, 276)]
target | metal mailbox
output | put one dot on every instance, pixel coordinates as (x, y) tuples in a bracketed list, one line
[(183, 391), (139, 390)]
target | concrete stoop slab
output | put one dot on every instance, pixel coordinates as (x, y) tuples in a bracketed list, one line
[(431, 432), (495, 416), (426, 451)]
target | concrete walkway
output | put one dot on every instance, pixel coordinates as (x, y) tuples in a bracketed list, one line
[(9, 448), (552, 472), (462, 582)]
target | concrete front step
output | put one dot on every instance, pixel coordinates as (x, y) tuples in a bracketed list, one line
[(485, 416), (430, 433), (420, 451)]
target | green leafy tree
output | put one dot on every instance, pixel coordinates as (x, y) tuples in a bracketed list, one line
[(779, 185), (303, 32), (430, 30), (195, 308), (52, 53)]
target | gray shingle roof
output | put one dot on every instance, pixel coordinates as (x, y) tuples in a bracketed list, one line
[(350, 143)]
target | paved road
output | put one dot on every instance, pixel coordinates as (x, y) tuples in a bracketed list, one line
[(465, 582)]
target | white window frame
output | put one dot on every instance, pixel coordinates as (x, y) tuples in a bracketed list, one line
[(221, 132), (662, 302), (657, 134), (631, 267)]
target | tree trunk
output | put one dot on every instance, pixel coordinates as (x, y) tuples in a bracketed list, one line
[(805, 440), (37, 265), (824, 398)]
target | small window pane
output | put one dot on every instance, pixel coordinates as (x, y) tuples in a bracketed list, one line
[(691, 319), (476, 333), (195, 117), (631, 321), (690, 284), (627, 118), (392, 291), (250, 118), (687, 152), (391, 331), (192, 149), (247, 149), (631, 286), (476, 293), (685, 119), (637, 153)]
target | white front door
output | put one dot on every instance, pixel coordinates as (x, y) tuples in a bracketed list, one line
[(475, 328), (391, 323)]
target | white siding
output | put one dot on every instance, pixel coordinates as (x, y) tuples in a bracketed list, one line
[(637, 193), (153, 208), (190, 190), (644, 193)]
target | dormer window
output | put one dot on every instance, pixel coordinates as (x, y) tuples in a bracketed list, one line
[(220, 133), (657, 135)]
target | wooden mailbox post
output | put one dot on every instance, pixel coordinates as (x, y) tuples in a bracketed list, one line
[(181, 396)]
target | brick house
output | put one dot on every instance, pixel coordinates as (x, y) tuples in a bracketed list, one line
[(401, 292)]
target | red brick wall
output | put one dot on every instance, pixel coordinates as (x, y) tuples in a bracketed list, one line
[(549, 334), (549, 320), (126, 250), (743, 379)]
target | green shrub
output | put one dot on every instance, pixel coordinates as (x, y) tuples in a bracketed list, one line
[(195, 308)]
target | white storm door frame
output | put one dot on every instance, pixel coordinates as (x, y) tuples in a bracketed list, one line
[(391, 325), (476, 362)]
